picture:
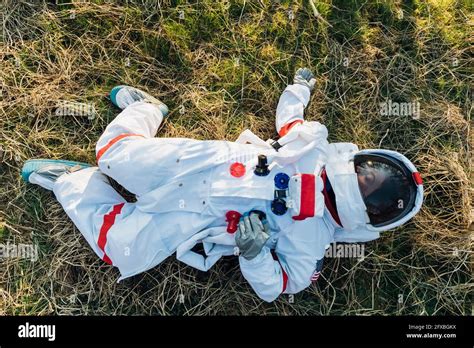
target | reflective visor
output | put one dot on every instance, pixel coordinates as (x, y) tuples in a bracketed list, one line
[(387, 187)]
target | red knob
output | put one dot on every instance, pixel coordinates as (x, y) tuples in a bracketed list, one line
[(232, 217)]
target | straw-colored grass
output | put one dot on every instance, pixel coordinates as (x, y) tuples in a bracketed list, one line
[(221, 65)]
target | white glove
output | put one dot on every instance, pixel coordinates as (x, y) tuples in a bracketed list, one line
[(305, 77)]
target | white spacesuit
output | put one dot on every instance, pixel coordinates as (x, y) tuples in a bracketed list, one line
[(191, 191)]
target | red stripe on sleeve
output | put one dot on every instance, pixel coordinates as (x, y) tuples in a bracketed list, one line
[(109, 220), (286, 128), (308, 187), (285, 276)]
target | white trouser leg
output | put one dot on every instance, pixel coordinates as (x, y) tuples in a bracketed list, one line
[(138, 118), (118, 233), (136, 124), (129, 153)]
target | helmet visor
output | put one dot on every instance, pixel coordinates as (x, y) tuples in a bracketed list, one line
[(387, 187)]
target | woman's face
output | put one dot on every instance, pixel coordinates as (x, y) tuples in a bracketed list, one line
[(369, 178)]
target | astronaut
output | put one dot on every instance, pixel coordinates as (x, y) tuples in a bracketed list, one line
[(277, 205)]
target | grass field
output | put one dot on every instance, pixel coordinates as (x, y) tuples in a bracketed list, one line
[(221, 65)]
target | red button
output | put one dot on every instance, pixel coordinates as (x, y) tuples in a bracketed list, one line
[(232, 217), (237, 169)]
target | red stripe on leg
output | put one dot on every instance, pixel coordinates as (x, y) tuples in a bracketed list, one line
[(112, 142), (109, 220), (285, 279)]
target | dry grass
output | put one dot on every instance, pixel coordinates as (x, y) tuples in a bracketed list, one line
[(221, 68)]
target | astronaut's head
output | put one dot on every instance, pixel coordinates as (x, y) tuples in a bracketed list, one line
[(374, 189)]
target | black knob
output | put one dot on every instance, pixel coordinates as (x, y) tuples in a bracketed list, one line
[(262, 167), (278, 206)]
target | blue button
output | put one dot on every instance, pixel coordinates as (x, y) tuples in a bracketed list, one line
[(281, 181)]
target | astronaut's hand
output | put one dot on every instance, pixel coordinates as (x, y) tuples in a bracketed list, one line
[(305, 77), (251, 234)]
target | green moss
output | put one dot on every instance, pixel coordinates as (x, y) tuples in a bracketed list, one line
[(384, 12), (446, 19), (346, 18), (250, 33), (207, 24), (279, 23), (178, 34), (229, 74)]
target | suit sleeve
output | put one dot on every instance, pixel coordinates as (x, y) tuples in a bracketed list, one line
[(290, 268), (290, 109), (264, 274)]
